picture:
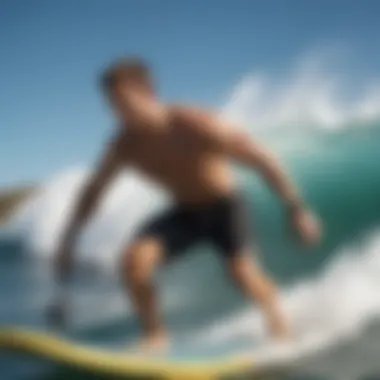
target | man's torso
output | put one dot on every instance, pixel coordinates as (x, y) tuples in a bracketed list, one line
[(176, 159)]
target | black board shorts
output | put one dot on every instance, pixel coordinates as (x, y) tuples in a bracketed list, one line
[(223, 223)]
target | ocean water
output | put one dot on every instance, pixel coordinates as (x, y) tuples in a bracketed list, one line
[(331, 293)]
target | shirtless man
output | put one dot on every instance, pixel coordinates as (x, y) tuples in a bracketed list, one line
[(187, 151)]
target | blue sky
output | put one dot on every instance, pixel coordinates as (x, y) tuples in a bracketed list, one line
[(52, 115)]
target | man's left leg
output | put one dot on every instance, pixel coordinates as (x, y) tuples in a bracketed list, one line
[(257, 286)]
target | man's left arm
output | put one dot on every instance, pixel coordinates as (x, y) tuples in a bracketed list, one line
[(248, 151), (241, 147)]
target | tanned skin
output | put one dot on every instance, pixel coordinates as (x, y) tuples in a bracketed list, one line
[(188, 151)]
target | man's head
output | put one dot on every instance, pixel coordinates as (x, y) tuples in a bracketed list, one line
[(125, 78)]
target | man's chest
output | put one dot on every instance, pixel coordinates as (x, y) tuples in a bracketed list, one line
[(165, 151)]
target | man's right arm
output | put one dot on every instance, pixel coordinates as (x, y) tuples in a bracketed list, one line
[(107, 168)]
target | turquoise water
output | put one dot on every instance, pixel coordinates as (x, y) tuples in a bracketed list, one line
[(340, 178)]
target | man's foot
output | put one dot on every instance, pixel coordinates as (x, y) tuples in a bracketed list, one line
[(281, 332), (155, 343)]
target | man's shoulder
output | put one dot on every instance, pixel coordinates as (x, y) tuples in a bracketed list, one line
[(192, 118), (188, 113)]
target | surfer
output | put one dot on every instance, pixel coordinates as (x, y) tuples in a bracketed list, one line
[(188, 152)]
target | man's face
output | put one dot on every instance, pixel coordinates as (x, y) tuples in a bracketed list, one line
[(119, 97), (124, 95)]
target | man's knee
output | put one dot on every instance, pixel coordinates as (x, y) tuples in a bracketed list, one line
[(141, 259)]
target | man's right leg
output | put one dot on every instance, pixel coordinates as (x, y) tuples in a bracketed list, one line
[(140, 262), (161, 239)]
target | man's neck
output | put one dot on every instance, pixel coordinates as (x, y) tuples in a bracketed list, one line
[(146, 115)]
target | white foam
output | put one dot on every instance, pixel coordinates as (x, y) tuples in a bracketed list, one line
[(310, 95)]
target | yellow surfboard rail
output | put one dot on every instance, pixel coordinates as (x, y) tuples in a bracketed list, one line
[(101, 361)]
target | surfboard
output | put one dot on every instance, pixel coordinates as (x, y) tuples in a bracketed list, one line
[(176, 364)]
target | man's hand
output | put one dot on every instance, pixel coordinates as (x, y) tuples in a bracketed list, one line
[(63, 262), (108, 166), (306, 225)]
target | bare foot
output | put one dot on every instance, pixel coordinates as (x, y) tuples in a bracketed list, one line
[(284, 336), (281, 331), (155, 343)]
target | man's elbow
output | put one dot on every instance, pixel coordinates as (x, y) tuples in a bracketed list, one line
[(267, 163)]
